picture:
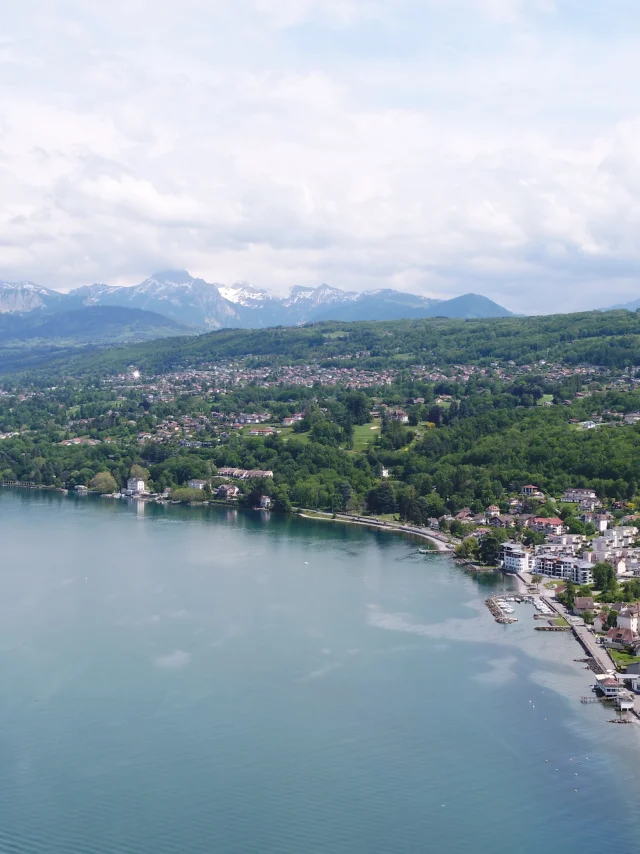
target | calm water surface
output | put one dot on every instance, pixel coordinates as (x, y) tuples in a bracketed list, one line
[(177, 680)]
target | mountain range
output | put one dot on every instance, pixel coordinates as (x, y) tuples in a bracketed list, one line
[(197, 305)]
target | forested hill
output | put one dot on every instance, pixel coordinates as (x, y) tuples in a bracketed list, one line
[(603, 338)]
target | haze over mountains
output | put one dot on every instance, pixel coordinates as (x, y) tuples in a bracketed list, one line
[(204, 306)]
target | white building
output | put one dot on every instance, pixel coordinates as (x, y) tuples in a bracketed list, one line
[(628, 618), (196, 483), (564, 568), (515, 558), (136, 485), (575, 496)]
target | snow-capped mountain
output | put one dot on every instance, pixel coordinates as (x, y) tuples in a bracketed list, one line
[(204, 306), (26, 296), (173, 293), (242, 293)]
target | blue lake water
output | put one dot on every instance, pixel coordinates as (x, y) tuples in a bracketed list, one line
[(207, 680)]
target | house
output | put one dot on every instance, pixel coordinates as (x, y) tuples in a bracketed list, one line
[(515, 558), (600, 622), (265, 502), (227, 491), (531, 491), (493, 510), (196, 483), (464, 515), (261, 431), (398, 415), (608, 685), (628, 618), (136, 486), (582, 604), (622, 639), (503, 521)]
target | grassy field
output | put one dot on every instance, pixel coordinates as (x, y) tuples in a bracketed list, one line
[(621, 658), (363, 435), (546, 398)]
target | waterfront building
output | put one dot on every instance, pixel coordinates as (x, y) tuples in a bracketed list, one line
[(196, 483), (565, 568), (136, 486), (515, 558)]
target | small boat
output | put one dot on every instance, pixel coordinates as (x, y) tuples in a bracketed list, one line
[(424, 551)]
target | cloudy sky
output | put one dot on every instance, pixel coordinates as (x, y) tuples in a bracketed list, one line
[(435, 146)]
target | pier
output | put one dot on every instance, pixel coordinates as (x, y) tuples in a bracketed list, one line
[(500, 615)]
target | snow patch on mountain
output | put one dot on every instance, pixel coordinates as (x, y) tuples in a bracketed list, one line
[(242, 293)]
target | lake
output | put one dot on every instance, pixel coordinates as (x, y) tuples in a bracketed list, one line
[(211, 680)]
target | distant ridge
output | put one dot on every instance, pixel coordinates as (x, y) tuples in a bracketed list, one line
[(204, 306)]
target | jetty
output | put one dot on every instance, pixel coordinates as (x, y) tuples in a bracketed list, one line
[(500, 614)]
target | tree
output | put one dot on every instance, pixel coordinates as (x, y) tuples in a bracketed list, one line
[(612, 619), (104, 483), (604, 575), (139, 472), (358, 406), (533, 538), (490, 549), (588, 616), (569, 595), (467, 548), (382, 499)]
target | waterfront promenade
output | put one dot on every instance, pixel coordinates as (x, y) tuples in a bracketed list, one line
[(434, 537)]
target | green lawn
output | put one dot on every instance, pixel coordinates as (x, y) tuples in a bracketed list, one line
[(560, 621), (363, 435), (546, 398), (622, 658)]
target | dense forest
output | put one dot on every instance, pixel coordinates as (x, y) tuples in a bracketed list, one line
[(601, 338)]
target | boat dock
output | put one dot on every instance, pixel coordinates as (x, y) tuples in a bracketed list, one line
[(501, 610)]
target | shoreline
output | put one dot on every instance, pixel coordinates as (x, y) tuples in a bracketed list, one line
[(441, 546)]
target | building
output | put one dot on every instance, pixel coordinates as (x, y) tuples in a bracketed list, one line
[(261, 431), (493, 510), (565, 568), (552, 525), (244, 474), (608, 685), (398, 415), (265, 502), (515, 558), (575, 496), (628, 618), (632, 674), (531, 491), (582, 604), (227, 491), (600, 622), (195, 483), (621, 639), (136, 486)]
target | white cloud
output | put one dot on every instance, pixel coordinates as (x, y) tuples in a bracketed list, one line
[(478, 145)]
